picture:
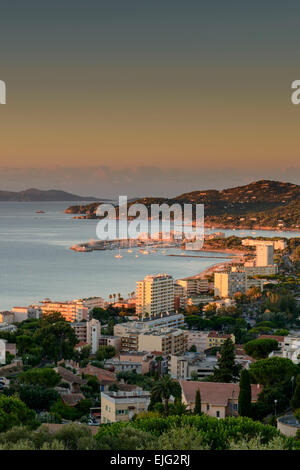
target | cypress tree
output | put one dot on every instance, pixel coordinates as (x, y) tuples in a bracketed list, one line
[(244, 403), (226, 370), (197, 409)]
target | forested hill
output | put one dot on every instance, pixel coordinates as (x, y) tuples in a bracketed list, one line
[(264, 203), (31, 195)]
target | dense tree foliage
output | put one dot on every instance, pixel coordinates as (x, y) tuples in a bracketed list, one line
[(244, 402), (226, 369), (36, 397), (105, 352), (163, 389), (214, 433), (57, 340), (260, 348), (14, 412), (45, 377), (272, 371)]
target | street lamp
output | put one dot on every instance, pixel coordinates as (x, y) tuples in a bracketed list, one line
[(275, 401)]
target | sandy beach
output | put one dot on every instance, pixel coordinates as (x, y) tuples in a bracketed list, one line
[(237, 257)]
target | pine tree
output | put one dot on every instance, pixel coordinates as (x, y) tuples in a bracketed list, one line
[(244, 406), (197, 408), (227, 370)]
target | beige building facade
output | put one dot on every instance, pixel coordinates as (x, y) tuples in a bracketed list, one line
[(122, 406), (155, 295)]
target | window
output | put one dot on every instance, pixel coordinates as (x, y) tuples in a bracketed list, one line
[(218, 414), (207, 407)]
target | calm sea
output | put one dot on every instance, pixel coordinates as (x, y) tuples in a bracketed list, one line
[(36, 261)]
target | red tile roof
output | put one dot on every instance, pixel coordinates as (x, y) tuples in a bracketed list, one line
[(280, 339), (214, 393), (71, 399), (68, 376), (101, 374), (81, 344), (215, 334)]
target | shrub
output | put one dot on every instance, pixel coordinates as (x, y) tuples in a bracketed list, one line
[(70, 435)]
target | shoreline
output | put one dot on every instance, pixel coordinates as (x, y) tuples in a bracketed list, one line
[(213, 226), (237, 257), (209, 225)]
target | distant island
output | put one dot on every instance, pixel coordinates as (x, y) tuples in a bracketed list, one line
[(38, 195), (263, 204)]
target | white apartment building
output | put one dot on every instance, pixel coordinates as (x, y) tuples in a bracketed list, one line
[(131, 332), (197, 339), (291, 348), (226, 284), (161, 321), (88, 332), (185, 366), (155, 295), (192, 285), (264, 255)]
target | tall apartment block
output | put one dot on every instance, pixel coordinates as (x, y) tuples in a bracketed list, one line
[(155, 295), (227, 284), (264, 255)]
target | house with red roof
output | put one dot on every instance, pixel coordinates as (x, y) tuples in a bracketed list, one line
[(217, 399)]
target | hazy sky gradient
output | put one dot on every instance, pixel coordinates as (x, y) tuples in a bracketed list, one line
[(123, 89)]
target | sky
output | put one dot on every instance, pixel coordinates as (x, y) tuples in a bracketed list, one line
[(148, 98)]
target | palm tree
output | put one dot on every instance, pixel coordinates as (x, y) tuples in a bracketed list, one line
[(163, 389)]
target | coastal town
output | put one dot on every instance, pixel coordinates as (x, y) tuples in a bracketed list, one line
[(222, 343)]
